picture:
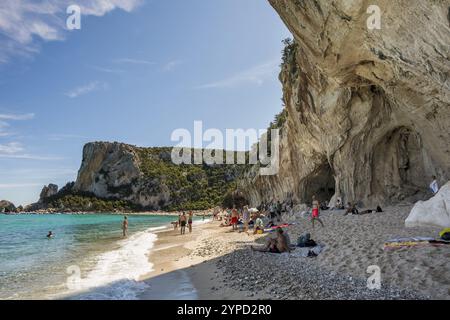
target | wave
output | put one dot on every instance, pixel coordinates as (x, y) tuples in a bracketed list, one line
[(117, 273)]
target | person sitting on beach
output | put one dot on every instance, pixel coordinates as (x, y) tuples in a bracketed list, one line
[(379, 209), (434, 185), (125, 226), (50, 235), (351, 209), (277, 245), (183, 223), (324, 206), (315, 212), (259, 225)]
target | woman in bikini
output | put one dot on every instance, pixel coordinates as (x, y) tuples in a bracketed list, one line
[(315, 212)]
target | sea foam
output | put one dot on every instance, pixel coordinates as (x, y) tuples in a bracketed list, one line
[(117, 273)]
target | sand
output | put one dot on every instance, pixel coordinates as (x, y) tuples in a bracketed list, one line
[(216, 263)]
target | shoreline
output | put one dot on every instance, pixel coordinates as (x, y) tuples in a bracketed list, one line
[(176, 257), (198, 213)]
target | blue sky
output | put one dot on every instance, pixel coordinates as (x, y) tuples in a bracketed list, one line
[(136, 71)]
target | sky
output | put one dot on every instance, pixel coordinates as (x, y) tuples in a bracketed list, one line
[(136, 71)]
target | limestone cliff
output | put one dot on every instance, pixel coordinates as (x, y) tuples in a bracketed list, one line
[(147, 178), (368, 110)]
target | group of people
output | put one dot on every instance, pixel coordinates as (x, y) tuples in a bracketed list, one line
[(273, 210), (184, 220), (242, 219)]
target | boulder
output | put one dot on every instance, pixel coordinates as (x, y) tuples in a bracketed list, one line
[(7, 206), (434, 212)]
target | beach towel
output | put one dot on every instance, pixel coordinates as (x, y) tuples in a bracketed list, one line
[(413, 242), (274, 228)]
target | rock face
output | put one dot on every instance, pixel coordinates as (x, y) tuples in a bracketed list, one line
[(7, 206), (147, 177), (434, 212), (48, 191), (112, 170), (107, 169), (368, 110)]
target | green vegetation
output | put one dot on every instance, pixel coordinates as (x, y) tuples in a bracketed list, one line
[(88, 203), (191, 187)]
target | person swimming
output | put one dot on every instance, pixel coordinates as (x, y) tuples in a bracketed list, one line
[(50, 235)]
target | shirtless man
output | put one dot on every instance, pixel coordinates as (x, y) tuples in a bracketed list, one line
[(183, 221), (277, 245), (125, 226)]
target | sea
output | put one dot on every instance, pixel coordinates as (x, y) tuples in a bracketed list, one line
[(87, 258)]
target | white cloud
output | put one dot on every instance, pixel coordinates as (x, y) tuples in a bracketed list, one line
[(132, 61), (5, 117), (63, 136), (26, 116), (171, 65), (24, 22), (107, 70), (255, 75), (14, 150), (29, 157), (87, 88), (18, 185), (10, 148)]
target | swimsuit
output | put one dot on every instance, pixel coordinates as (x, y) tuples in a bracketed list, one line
[(183, 223), (315, 213), (234, 220)]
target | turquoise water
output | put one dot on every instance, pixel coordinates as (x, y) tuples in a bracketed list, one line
[(34, 267)]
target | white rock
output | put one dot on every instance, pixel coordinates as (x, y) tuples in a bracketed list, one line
[(434, 212)]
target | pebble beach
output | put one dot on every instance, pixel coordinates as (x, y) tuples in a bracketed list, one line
[(221, 265)]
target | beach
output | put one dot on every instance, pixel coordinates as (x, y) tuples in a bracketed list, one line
[(215, 263)]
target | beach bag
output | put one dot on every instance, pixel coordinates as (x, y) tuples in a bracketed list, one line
[(445, 234), (303, 240)]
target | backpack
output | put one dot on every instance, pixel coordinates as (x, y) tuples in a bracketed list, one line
[(446, 236)]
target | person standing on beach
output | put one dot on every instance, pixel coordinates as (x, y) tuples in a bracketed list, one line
[(434, 185), (245, 218), (279, 209), (125, 226), (234, 218), (190, 221), (183, 223), (315, 212)]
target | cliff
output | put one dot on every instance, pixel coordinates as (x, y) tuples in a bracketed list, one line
[(117, 176), (368, 111)]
